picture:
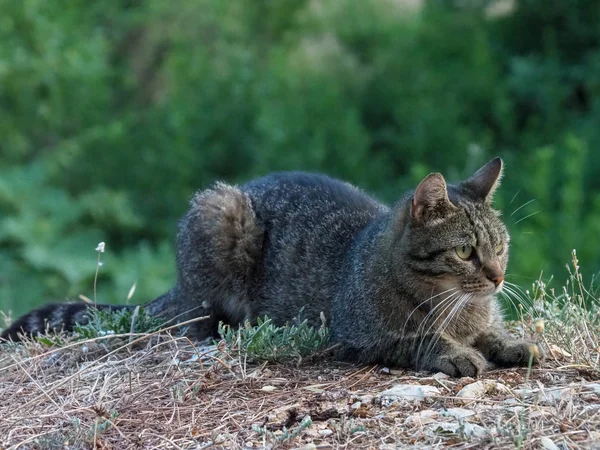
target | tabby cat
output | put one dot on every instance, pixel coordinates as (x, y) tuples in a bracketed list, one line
[(411, 285)]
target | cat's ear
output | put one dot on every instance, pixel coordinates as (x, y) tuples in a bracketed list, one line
[(430, 193), (486, 180)]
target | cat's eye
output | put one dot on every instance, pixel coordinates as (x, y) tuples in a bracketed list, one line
[(464, 251), (500, 248)]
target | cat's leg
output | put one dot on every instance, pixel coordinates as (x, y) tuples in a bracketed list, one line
[(503, 350), (441, 353), (431, 352)]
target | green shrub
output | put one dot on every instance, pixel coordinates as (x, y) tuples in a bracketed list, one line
[(124, 321), (267, 342)]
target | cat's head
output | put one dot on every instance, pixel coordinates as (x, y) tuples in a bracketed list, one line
[(453, 239)]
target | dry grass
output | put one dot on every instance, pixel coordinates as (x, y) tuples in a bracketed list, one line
[(164, 392)]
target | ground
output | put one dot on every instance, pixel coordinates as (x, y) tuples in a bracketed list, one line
[(164, 392)]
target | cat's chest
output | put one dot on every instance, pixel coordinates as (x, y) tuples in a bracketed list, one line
[(469, 322)]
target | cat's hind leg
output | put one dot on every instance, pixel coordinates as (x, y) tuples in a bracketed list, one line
[(218, 247)]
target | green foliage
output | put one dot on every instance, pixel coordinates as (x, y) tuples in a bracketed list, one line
[(112, 114), (105, 322), (268, 342)]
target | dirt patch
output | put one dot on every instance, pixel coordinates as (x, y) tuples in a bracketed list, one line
[(168, 393)]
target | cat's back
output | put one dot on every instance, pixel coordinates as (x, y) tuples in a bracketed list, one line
[(309, 221), (308, 194)]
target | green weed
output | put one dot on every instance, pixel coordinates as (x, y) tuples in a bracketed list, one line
[(269, 342), (105, 322)]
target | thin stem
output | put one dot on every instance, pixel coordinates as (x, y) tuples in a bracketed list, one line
[(96, 277)]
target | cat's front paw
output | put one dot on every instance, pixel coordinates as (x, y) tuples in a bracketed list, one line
[(464, 362), (517, 353)]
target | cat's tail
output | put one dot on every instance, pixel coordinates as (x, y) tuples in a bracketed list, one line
[(53, 317)]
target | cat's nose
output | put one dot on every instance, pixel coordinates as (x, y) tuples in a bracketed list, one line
[(497, 280), (495, 274)]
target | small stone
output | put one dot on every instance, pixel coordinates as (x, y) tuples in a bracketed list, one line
[(366, 399), (422, 418), (465, 428), (591, 410), (552, 396), (548, 444), (326, 432), (594, 387), (517, 409), (457, 413), (268, 388), (407, 392), (523, 392), (356, 405), (481, 388), (220, 439), (441, 376)]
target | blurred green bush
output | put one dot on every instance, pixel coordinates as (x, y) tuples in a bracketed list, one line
[(113, 113)]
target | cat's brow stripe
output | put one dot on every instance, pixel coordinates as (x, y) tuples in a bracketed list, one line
[(431, 255)]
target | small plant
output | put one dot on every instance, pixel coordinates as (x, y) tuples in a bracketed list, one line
[(104, 420), (286, 435), (178, 392), (71, 436), (52, 339), (121, 321), (103, 423), (104, 322), (571, 317), (346, 428), (269, 342)]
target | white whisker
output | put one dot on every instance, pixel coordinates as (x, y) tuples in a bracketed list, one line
[(527, 217), (450, 304), (514, 196), (522, 206), (464, 299), (421, 304)]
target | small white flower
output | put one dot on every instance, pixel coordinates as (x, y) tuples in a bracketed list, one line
[(100, 247)]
